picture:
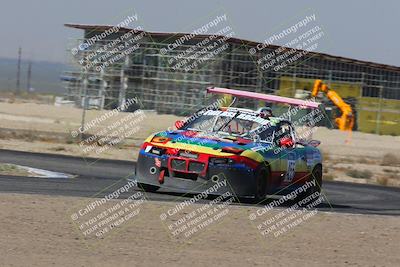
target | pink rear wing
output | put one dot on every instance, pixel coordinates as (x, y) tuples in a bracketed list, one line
[(264, 97)]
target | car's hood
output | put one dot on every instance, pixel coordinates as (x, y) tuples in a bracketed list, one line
[(209, 144)]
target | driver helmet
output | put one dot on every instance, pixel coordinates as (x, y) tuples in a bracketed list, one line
[(265, 112)]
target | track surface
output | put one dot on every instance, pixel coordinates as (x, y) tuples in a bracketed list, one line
[(95, 175)]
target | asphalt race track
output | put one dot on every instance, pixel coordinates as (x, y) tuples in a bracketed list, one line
[(95, 175)]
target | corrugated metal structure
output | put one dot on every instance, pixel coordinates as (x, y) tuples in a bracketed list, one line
[(150, 73)]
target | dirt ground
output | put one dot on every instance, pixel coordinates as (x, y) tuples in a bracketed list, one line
[(46, 128), (37, 231)]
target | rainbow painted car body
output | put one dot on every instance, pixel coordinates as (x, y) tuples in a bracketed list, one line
[(256, 154)]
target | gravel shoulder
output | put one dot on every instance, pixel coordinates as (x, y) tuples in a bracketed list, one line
[(37, 230)]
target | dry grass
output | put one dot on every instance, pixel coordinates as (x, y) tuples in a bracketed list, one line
[(328, 177), (58, 148), (349, 160), (382, 180), (325, 155), (365, 174), (11, 169), (390, 159), (389, 170), (7, 167), (363, 161)]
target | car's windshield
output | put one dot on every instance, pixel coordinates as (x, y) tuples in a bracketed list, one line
[(236, 123)]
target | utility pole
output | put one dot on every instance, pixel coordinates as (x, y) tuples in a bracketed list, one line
[(18, 69), (28, 83)]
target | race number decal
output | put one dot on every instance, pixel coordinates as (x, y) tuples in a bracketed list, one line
[(291, 166)]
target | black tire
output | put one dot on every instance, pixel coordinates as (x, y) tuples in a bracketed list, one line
[(261, 176), (148, 187), (316, 175)]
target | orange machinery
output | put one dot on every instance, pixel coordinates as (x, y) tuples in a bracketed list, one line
[(346, 121)]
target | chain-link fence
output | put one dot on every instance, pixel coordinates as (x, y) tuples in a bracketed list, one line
[(150, 73)]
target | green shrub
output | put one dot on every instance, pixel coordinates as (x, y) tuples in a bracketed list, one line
[(365, 174), (390, 159)]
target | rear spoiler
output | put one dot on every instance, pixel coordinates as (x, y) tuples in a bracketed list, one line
[(264, 97)]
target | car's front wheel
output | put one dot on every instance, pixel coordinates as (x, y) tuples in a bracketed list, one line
[(314, 190), (316, 175), (261, 176), (148, 187)]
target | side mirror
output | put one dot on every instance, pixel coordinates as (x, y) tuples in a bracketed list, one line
[(314, 143), (286, 142), (256, 138), (179, 124)]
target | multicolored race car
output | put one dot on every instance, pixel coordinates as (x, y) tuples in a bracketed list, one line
[(253, 151)]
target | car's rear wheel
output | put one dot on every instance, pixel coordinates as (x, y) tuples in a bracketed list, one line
[(261, 176), (148, 187)]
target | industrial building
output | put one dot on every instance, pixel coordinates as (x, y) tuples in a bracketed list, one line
[(150, 72)]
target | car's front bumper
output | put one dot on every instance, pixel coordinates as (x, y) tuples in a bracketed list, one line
[(240, 179)]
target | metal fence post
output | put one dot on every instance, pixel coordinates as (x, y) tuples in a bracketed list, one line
[(85, 103), (378, 115)]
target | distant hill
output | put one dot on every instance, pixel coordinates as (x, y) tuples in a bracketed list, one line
[(45, 76)]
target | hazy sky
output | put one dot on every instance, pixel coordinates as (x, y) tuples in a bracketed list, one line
[(361, 29)]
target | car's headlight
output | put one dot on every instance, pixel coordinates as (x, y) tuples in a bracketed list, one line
[(160, 139)]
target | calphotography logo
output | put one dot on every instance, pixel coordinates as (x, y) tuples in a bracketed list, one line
[(296, 208), (110, 129), (100, 217), (298, 40), (184, 57), (188, 218)]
